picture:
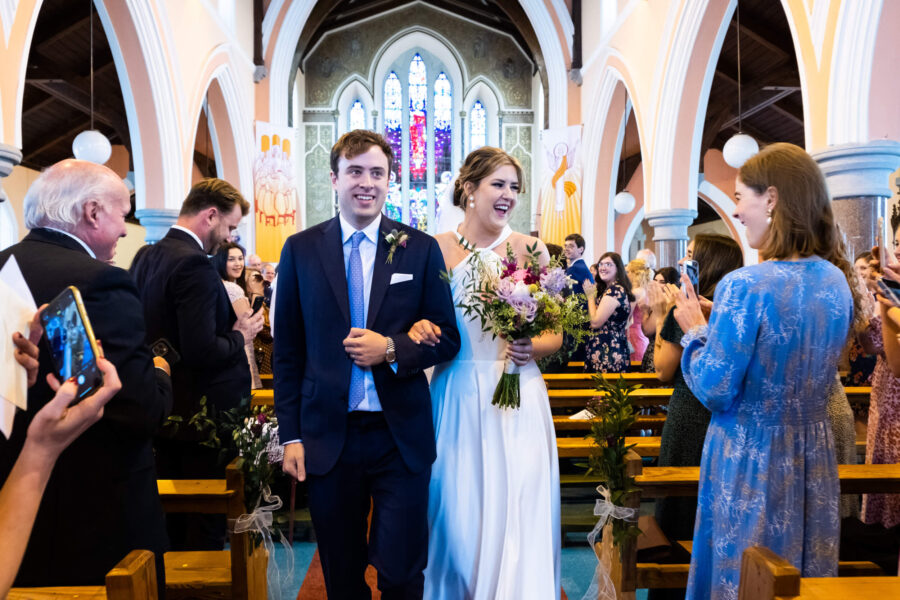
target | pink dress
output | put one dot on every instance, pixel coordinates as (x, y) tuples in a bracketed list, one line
[(636, 338), (883, 432)]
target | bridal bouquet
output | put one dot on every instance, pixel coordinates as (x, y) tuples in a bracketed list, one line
[(521, 302)]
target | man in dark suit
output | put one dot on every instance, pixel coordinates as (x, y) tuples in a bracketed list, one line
[(352, 401), (573, 248), (101, 501), (186, 305)]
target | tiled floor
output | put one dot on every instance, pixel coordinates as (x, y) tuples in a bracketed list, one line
[(577, 570)]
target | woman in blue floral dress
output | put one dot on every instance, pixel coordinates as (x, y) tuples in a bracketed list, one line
[(609, 306), (762, 366)]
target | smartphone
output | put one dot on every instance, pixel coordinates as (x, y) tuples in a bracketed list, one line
[(890, 290), (258, 303), (692, 268), (164, 349), (73, 347)]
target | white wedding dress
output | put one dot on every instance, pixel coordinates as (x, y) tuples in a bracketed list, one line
[(493, 505)]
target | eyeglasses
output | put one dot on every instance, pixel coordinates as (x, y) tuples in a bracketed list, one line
[(608, 264)]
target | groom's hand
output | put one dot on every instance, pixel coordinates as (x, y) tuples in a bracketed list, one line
[(294, 463), (365, 347)]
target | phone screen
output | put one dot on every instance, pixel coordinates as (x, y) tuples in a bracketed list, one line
[(71, 341), (692, 268), (258, 304)]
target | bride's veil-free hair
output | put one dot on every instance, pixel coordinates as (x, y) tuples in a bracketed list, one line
[(479, 164)]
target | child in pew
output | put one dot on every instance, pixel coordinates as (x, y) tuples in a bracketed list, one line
[(687, 419)]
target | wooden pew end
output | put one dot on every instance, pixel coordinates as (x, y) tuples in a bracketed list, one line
[(765, 575), (134, 578)]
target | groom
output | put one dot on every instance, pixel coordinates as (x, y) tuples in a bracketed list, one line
[(351, 397)]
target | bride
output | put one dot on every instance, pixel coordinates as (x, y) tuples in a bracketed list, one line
[(493, 507)]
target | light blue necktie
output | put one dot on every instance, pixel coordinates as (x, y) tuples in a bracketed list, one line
[(355, 285)]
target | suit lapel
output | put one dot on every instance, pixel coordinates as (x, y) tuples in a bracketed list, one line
[(331, 253), (381, 274)]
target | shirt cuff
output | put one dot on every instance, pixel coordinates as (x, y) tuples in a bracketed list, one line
[(696, 333), (293, 442)]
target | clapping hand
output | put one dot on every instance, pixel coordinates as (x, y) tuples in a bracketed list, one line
[(688, 311), (590, 289), (426, 332), (658, 300)]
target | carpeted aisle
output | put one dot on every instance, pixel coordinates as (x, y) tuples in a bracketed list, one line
[(313, 587)]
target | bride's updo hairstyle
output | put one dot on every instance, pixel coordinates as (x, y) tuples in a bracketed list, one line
[(802, 220), (479, 164)]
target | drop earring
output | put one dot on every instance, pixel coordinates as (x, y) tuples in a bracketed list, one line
[(769, 216), (471, 201)]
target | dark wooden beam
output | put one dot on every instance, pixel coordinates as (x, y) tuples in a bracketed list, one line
[(790, 113), (71, 133), (205, 164), (59, 27), (765, 34), (759, 106), (76, 98)]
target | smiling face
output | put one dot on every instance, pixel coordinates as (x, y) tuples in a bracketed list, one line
[(572, 251), (862, 268), (110, 220), (751, 211), (607, 270), (688, 253), (495, 197), (235, 264), (361, 184)]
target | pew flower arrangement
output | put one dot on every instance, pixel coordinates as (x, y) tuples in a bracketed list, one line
[(613, 417), (519, 302)]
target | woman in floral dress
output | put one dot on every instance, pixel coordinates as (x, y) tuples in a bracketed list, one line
[(609, 306), (762, 365)]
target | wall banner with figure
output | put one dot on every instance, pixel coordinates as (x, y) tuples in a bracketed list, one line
[(559, 203), (277, 213)]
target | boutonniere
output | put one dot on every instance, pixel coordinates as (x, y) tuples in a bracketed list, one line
[(395, 238)]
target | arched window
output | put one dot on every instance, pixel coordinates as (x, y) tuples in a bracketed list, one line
[(478, 126), (393, 133), (418, 124), (357, 116)]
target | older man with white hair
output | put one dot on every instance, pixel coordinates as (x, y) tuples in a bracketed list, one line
[(101, 501), (646, 255)]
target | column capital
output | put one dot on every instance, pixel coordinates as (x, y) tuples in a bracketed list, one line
[(670, 224), (156, 221), (10, 156), (854, 170)]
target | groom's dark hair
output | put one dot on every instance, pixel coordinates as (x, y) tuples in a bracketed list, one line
[(353, 143)]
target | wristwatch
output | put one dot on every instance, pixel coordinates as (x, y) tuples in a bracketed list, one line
[(390, 356)]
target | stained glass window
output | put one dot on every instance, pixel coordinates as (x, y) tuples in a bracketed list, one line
[(443, 120), (357, 116), (393, 133), (478, 132), (418, 144)]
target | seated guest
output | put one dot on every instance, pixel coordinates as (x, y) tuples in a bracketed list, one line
[(639, 275), (186, 304), (101, 500), (763, 366), (51, 431), (681, 444), (609, 306), (229, 263)]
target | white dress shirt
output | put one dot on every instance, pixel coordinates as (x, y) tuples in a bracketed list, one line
[(76, 238), (367, 249), (190, 233)]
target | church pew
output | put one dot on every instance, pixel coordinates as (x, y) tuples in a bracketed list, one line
[(767, 576), (133, 578), (569, 381), (563, 424), (238, 573), (656, 482), (646, 446)]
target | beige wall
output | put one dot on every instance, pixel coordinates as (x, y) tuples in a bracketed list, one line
[(17, 184)]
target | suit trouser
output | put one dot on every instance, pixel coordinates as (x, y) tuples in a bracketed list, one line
[(370, 471)]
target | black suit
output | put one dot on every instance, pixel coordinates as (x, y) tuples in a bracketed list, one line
[(101, 501), (386, 454), (186, 303)]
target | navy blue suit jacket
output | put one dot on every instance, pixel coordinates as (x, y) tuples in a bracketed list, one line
[(312, 318), (579, 272)]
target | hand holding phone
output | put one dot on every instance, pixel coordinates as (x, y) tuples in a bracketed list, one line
[(692, 269), (258, 304), (72, 344)]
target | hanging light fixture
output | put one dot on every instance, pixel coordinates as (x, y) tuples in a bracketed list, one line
[(624, 201), (740, 146), (91, 145)]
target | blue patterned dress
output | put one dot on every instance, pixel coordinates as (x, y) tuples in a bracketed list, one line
[(768, 474)]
